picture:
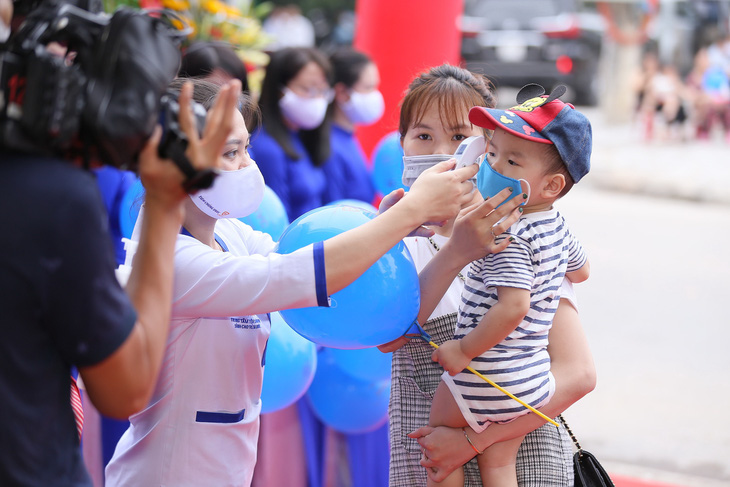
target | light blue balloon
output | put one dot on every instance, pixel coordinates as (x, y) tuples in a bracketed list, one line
[(369, 364), (270, 217), (355, 203), (345, 403), (291, 361), (388, 164), (129, 208), (376, 308)]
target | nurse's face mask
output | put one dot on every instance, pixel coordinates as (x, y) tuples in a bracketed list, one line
[(234, 194)]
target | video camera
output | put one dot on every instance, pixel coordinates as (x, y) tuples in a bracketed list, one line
[(89, 86)]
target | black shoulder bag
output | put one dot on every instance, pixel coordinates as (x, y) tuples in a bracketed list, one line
[(588, 472)]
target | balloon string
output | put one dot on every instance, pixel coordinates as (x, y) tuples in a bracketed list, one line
[(502, 390)]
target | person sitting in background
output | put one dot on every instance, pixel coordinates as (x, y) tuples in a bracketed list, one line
[(660, 96), (215, 61), (357, 102), (709, 88)]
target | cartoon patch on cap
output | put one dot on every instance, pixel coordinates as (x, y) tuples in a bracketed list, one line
[(530, 97), (505, 119)]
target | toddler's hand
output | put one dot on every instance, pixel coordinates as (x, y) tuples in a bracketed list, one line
[(451, 358)]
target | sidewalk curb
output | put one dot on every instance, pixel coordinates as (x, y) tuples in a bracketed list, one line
[(629, 475), (687, 170)]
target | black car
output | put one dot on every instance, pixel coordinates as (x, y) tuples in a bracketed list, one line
[(550, 42)]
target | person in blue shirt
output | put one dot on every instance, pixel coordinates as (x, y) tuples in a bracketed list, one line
[(357, 102), (113, 185), (293, 142)]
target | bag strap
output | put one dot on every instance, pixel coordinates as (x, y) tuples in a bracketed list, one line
[(570, 432)]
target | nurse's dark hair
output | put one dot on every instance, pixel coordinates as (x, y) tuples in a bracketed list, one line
[(452, 89), (205, 92), (202, 58)]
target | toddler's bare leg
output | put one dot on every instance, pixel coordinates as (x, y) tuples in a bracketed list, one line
[(497, 464), (445, 412)]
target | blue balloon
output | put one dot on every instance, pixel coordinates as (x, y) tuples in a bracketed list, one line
[(290, 364), (270, 217), (369, 364), (345, 403), (388, 164), (129, 208), (376, 308), (355, 203)]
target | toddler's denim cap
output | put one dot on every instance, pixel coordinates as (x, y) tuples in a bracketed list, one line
[(545, 121)]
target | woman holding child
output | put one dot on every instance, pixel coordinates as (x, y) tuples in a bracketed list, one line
[(434, 120)]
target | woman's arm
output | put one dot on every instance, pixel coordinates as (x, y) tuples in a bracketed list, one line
[(580, 275), (436, 196), (572, 365)]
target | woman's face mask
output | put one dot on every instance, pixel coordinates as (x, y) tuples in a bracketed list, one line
[(304, 112), (364, 108), (234, 194), (490, 182), (413, 166)]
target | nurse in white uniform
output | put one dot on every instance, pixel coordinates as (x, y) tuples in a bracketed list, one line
[(201, 426)]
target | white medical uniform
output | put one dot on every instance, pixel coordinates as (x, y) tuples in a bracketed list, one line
[(201, 426)]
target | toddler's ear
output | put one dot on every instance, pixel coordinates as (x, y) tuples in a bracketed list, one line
[(554, 185)]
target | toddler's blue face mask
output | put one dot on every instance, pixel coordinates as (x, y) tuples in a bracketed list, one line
[(490, 182)]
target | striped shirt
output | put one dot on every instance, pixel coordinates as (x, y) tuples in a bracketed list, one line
[(542, 252)]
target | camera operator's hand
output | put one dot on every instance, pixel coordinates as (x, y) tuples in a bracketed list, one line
[(161, 178)]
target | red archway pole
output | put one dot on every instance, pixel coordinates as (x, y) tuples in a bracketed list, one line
[(404, 38)]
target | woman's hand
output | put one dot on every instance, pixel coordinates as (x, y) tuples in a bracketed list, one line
[(451, 357), (477, 226), (444, 450), (439, 193)]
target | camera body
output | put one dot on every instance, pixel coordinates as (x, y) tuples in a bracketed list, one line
[(86, 86), (174, 142)]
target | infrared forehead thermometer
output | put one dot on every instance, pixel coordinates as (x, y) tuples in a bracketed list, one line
[(467, 153)]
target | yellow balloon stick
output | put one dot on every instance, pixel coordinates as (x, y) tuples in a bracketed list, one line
[(504, 391)]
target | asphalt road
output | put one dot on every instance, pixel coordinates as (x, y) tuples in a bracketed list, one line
[(655, 311)]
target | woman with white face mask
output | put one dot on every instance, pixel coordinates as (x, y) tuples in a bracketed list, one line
[(293, 142), (357, 102), (202, 423)]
